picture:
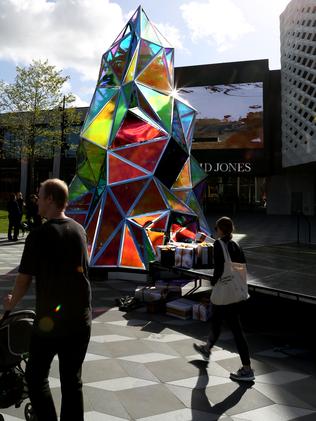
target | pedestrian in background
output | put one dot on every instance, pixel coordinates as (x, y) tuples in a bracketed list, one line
[(21, 204), (32, 213), (229, 312), (56, 255), (14, 216)]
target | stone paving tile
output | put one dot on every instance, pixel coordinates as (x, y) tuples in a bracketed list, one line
[(141, 366)]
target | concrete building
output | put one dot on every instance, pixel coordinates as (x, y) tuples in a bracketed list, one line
[(298, 104)]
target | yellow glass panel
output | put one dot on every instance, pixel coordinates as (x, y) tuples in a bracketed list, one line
[(184, 179), (100, 129), (129, 77)]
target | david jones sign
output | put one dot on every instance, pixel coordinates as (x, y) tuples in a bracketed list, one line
[(226, 167)]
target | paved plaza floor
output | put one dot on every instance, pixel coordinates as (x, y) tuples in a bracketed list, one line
[(142, 366)]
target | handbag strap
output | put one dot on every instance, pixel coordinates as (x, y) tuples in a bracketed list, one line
[(225, 251)]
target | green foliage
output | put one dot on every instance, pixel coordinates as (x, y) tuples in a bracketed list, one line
[(35, 113)]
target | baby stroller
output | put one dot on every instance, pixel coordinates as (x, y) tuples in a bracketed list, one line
[(15, 333)]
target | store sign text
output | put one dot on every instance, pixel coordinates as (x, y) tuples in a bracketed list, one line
[(226, 167)]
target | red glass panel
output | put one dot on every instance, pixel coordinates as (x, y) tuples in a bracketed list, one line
[(146, 155), (150, 201), (79, 217), (82, 203), (110, 254), (135, 130), (130, 255), (120, 170), (160, 223), (111, 217), (90, 230), (126, 193)]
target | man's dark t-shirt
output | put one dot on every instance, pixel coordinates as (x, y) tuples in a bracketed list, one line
[(56, 255)]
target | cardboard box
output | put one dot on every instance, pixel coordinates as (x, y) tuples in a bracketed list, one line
[(185, 255), (201, 311), (205, 254), (180, 308)]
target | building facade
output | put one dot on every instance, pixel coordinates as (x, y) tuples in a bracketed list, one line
[(297, 184)]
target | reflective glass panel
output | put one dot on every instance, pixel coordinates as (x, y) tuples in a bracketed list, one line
[(150, 201), (126, 193), (156, 74), (130, 256), (100, 128), (146, 155), (119, 170)]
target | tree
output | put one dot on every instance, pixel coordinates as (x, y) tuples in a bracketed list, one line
[(36, 114)]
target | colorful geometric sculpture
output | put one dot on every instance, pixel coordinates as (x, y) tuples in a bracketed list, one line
[(136, 180)]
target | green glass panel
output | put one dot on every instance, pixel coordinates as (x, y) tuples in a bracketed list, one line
[(83, 166), (161, 104), (76, 188), (95, 156), (100, 128), (174, 203), (100, 98), (147, 51), (194, 204), (197, 173), (146, 30), (119, 115), (156, 74)]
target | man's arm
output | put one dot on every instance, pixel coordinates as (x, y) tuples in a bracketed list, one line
[(21, 286)]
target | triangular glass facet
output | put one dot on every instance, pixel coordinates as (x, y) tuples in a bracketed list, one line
[(161, 104), (119, 170), (127, 193), (156, 74), (100, 128), (145, 155), (130, 254), (184, 178)]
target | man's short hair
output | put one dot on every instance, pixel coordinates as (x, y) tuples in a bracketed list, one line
[(58, 190)]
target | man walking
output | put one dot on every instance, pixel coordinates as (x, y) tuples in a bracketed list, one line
[(56, 255)]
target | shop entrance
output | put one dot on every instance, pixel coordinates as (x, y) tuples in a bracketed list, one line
[(235, 193)]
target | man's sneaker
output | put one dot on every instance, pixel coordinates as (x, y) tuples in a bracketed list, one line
[(243, 375), (203, 350)]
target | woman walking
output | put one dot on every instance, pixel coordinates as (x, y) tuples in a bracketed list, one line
[(229, 312)]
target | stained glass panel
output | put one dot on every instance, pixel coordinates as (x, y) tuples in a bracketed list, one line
[(127, 193), (120, 170), (145, 155), (156, 74), (130, 256), (100, 128)]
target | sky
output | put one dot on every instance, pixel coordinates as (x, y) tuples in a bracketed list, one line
[(73, 34)]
